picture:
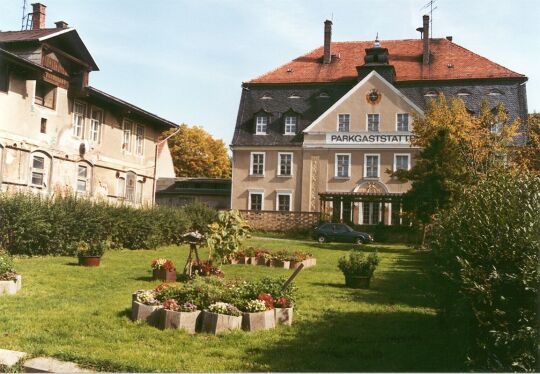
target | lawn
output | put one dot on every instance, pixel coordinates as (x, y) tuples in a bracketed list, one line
[(82, 314)]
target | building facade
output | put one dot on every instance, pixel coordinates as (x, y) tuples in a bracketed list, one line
[(58, 134), (213, 192), (323, 132)]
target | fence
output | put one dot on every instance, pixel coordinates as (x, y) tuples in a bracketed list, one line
[(280, 221)]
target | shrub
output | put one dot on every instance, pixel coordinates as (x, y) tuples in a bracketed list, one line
[(358, 264), (200, 216), (6, 262), (488, 245)]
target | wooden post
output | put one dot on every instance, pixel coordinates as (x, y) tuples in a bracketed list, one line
[(291, 278)]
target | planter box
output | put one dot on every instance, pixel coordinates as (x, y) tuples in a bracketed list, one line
[(280, 264), (261, 261), (179, 320), (357, 281), (258, 321), (89, 260), (251, 260), (283, 316), (307, 263), (235, 261), (215, 323), (11, 287), (164, 275), (147, 313)]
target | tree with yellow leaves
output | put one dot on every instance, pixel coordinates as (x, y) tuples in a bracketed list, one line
[(196, 153)]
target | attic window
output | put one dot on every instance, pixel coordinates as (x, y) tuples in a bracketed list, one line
[(266, 97), (430, 94), (494, 93), (323, 95), (463, 93), (295, 96)]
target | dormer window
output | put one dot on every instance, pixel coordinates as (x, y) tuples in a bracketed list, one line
[(266, 97), (295, 96), (261, 125), (430, 94), (323, 95), (494, 93), (290, 125), (463, 93)]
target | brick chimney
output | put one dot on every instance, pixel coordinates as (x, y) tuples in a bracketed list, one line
[(425, 38), (61, 24), (38, 16), (327, 58)]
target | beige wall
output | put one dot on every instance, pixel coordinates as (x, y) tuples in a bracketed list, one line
[(20, 139)]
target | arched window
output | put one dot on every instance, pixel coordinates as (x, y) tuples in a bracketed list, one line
[(40, 167), (84, 178)]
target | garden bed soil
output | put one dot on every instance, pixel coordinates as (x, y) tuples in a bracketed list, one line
[(171, 319), (258, 321), (215, 323), (11, 287), (164, 275), (283, 316), (148, 313)]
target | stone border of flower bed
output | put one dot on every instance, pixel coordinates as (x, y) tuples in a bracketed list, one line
[(275, 263), (11, 287)]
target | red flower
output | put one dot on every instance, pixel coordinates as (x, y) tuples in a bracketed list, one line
[(161, 287), (170, 304), (283, 302), (268, 300)]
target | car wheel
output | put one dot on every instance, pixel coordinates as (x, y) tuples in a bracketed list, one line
[(359, 240), (322, 239)]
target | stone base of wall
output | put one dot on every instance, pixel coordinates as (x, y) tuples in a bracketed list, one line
[(280, 221)]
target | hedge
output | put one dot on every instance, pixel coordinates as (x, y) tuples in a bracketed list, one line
[(31, 224), (488, 247)]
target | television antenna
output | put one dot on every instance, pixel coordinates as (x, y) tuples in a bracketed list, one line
[(26, 21), (430, 5)]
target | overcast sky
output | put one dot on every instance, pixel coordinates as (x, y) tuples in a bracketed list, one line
[(185, 60)]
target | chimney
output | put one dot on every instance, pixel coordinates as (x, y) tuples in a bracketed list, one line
[(38, 16), (327, 58), (61, 24), (449, 38), (425, 38)]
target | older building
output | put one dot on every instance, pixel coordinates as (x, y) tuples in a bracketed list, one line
[(213, 192), (59, 134), (321, 132)]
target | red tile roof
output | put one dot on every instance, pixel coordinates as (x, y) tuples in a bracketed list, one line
[(405, 55)]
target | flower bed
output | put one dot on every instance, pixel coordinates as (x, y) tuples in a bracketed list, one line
[(280, 259), (10, 281), (215, 305)]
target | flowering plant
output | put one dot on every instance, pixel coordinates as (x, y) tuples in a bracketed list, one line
[(267, 299), (161, 287), (282, 302), (187, 307), (6, 267), (162, 263), (170, 304), (147, 297), (261, 253), (224, 308), (205, 268), (254, 306), (301, 256)]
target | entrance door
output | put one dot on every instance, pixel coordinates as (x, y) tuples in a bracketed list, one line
[(371, 213)]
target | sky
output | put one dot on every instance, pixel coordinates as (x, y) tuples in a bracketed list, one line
[(185, 60)]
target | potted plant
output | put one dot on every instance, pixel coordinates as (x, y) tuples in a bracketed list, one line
[(300, 257), (145, 307), (206, 268), (221, 317), (179, 316), (258, 315), (163, 270), (262, 257), (358, 268), (281, 259), (89, 253), (10, 281), (238, 257), (283, 311)]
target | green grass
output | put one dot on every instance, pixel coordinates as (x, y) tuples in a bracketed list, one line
[(82, 314)]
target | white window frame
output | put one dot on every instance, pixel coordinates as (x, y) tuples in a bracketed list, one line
[(284, 193), (280, 154), (126, 146), (42, 171), (85, 179), (139, 140), (139, 191), (378, 164), (288, 126), (82, 117), (378, 122), (264, 126), (336, 165), (251, 164), (95, 135), (255, 192), (408, 121), (348, 124), (408, 160), (121, 192)]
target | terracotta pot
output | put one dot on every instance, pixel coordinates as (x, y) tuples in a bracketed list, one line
[(164, 275), (283, 316), (357, 281), (147, 313), (281, 264), (215, 323), (89, 260), (179, 320), (258, 321)]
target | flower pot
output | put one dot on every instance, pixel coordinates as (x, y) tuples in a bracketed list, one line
[(355, 281), (215, 323), (89, 260), (309, 262), (261, 261), (147, 313), (283, 316), (280, 264), (251, 260), (171, 319), (11, 287), (258, 321), (164, 275), (235, 261)]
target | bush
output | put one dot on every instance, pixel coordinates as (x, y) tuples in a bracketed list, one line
[(6, 262), (488, 246), (200, 215), (358, 264), (34, 225)]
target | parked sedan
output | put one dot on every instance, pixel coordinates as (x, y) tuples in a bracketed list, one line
[(340, 232)]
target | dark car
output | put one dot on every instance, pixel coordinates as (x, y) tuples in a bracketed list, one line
[(339, 232)]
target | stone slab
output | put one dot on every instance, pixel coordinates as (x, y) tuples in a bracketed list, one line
[(51, 365), (258, 321), (10, 358)]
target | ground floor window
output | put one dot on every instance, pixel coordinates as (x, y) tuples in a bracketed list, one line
[(396, 214), (130, 187), (371, 213), (284, 202), (255, 201), (82, 178)]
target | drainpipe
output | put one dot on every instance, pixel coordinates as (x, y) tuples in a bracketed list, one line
[(155, 163)]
